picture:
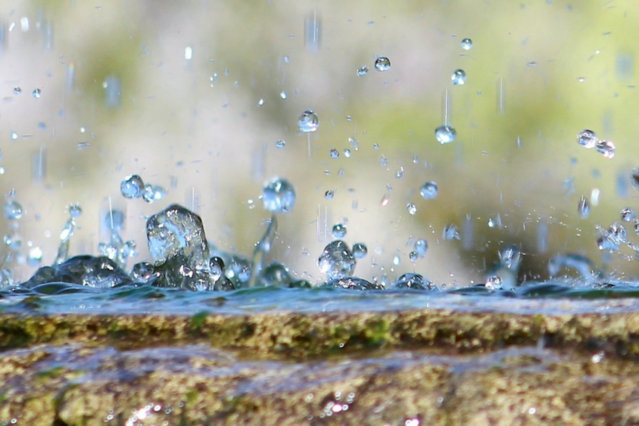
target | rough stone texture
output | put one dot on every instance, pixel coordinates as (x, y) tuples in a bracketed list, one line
[(439, 366)]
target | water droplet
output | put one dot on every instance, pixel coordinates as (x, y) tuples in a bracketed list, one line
[(587, 138), (445, 134), (260, 102), (458, 78), (34, 257), (420, 247), (362, 71), (413, 256), (142, 272), (188, 53), (75, 210), (278, 195), (354, 143), (396, 260), (359, 250), (382, 64), (385, 200), (383, 161), (308, 121), (467, 44), (583, 207), (13, 210), (336, 260), (429, 190), (283, 94), (36, 93), (347, 153), (628, 214), (14, 136), (280, 144), (493, 283), (334, 153), (276, 274), (216, 267), (450, 233), (17, 90), (606, 148), (339, 230), (412, 208), (329, 194), (132, 187)]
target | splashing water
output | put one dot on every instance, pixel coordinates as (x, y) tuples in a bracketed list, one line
[(337, 260), (278, 196)]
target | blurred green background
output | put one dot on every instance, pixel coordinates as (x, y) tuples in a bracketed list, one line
[(120, 94)]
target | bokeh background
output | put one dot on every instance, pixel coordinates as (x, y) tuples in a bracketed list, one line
[(189, 95)]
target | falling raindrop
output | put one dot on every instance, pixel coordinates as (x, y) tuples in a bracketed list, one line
[(628, 214), (587, 138), (308, 121), (339, 230), (362, 71), (467, 44), (283, 94), (280, 144), (35, 256), (634, 178), (445, 134), (458, 78), (382, 64), (583, 207), (428, 190), (278, 196), (13, 210), (413, 256)]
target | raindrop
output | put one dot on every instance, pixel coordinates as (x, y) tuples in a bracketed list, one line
[(278, 196), (467, 44), (354, 143), (308, 121), (606, 148), (334, 153), (132, 187), (445, 134), (280, 144), (362, 71), (13, 210), (412, 208), (429, 190), (382, 64), (583, 207), (587, 138), (413, 256), (339, 230), (628, 214), (336, 260), (458, 78), (420, 247), (359, 250), (450, 232), (329, 194), (36, 93), (17, 90)]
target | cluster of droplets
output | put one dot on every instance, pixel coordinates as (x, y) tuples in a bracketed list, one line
[(134, 187), (588, 139)]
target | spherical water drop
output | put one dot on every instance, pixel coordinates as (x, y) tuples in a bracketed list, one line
[(334, 153), (382, 64), (280, 144), (467, 44), (308, 121), (413, 256), (329, 194), (607, 148), (628, 214), (429, 190), (13, 210), (458, 78), (336, 260), (132, 187), (283, 94), (216, 267), (362, 71), (420, 247), (359, 250), (396, 260), (412, 208), (583, 207), (75, 210), (17, 90), (36, 93), (587, 138), (445, 134), (278, 196), (339, 230)]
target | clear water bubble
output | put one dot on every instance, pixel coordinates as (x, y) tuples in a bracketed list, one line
[(429, 190), (17, 90), (420, 247), (339, 230), (308, 121), (493, 283), (445, 134), (359, 250), (628, 215), (587, 138), (412, 208), (606, 148), (13, 210), (382, 64), (334, 153), (329, 194), (467, 44), (336, 260), (280, 144), (459, 77), (583, 208), (159, 192), (278, 195), (132, 187), (36, 93), (450, 232), (362, 71)]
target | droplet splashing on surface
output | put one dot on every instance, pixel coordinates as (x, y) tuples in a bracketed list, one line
[(339, 231), (336, 260)]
